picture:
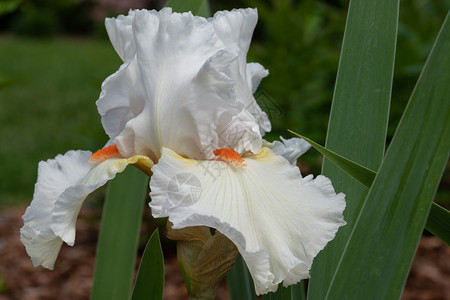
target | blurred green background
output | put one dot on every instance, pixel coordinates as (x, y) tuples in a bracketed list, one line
[(55, 54)]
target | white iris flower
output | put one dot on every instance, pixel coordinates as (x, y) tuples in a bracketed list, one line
[(182, 106)]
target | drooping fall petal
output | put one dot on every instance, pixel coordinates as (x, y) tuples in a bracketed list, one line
[(278, 220), (62, 186)]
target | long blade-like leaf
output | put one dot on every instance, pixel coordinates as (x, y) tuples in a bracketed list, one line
[(197, 7), (360, 173), (380, 249), (239, 281), (150, 278), (119, 235), (293, 292), (438, 223), (282, 293), (299, 291), (358, 120)]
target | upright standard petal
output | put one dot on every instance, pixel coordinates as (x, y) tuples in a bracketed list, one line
[(182, 78), (278, 220), (63, 184), (236, 27), (114, 103), (120, 33)]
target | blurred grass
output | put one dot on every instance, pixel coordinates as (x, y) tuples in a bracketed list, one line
[(47, 105)]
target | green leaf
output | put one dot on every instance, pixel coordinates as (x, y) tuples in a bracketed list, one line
[(438, 223), (358, 119), (197, 7), (282, 293), (299, 291), (8, 6), (293, 292), (360, 173), (150, 278), (379, 252), (239, 281), (119, 235)]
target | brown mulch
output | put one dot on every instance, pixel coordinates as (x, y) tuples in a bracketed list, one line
[(429, 278)]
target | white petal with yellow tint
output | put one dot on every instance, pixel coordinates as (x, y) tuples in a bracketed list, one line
[(69, 202), (63, 184), (278, 220)]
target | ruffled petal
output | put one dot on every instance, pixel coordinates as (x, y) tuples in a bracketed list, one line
[(54, 176), (231, 119), (255, 73), (236, 27), (69, 202), (181, 75), (122, 98), (236, 131), (63, 184), (290, 149), (241, 100), (114, 103), (236, 127), (120, 33), (278, 220)]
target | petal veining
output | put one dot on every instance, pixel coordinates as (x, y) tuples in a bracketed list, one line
[(278, 220), (63, 184)]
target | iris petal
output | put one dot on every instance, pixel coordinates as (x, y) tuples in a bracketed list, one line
[(291, 149), (182, 78), (62, 186), (278, 220)]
